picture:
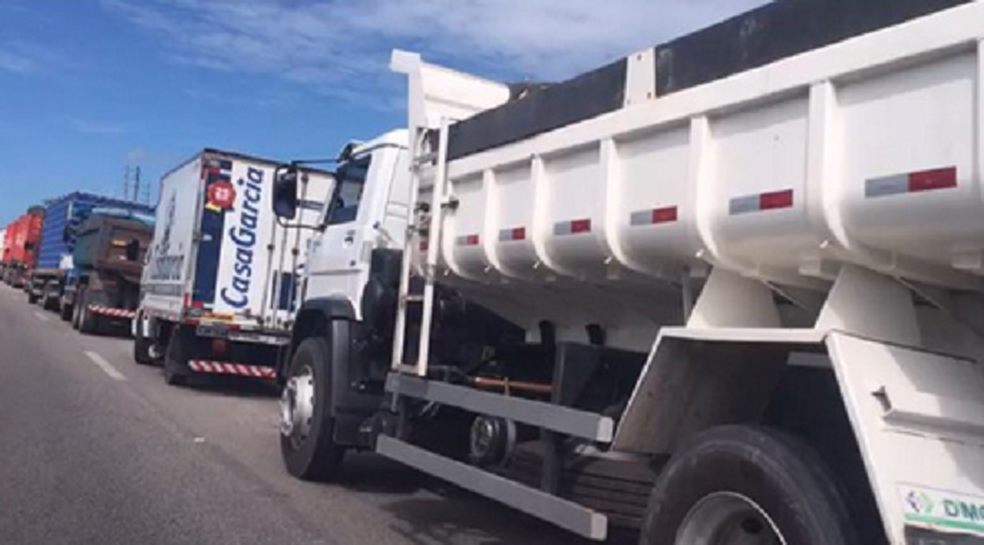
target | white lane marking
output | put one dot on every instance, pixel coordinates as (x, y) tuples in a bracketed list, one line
[(105, 366), (40, 316)]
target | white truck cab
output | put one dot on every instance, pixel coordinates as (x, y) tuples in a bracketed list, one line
[(369, 211)]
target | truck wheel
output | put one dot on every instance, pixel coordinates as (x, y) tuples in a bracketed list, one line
[(141, 344), (141, 351), (89, 323), (76, 309), (66, 312), (745, 485), (31, 298), (306, 428), (176, 358), (50, 299)]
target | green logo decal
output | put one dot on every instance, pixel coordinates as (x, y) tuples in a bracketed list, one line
[(943, 510)]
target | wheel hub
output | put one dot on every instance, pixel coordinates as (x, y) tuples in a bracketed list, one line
[(297, 406), (727, 518)]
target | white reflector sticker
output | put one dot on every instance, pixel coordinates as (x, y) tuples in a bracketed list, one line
[(575, 227), (512, 235)]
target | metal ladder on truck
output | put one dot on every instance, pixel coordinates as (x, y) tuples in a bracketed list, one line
[(408, 379), (413, 293)]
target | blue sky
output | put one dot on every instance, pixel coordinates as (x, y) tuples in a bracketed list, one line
[(89, 86)]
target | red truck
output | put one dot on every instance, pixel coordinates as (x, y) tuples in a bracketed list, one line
[(21, 246)]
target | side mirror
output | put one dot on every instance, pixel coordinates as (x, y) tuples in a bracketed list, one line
[(285, 192)]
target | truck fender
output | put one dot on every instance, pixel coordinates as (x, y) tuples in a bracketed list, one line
[(334, 320), (314, 316)]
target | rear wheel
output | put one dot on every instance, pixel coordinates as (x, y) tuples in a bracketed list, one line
[(66, 311), (31, 297), (141, 351), (50, 299), (77, 308), (141, 345), (307, 428), (747, 486), (89, 322)]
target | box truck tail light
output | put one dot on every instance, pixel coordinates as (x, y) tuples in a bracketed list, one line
[(913, 182), (512, 235), (575, 227), (656, 216), (775, 200)]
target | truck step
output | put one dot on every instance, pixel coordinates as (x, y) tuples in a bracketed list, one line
[(563, 513), (565, 420)]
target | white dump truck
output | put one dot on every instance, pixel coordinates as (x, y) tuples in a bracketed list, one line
[(727, 290), (220, 285)]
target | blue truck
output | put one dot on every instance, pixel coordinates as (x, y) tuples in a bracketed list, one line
[(91, 252)]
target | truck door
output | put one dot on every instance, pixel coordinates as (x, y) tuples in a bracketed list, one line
[(339, 260)]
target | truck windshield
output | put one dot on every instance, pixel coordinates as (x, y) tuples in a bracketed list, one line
[(351, 180)]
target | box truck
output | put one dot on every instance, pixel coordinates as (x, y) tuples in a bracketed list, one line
[(219, 288), (62, 217), (101, 291), (21, 245), (727, 290)]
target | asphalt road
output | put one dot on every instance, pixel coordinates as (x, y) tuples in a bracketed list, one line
[(96, 449)]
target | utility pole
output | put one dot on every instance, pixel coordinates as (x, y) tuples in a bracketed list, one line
[(133, 188), (126, 182)]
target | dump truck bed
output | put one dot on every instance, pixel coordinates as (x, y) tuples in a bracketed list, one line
[(865, 151)]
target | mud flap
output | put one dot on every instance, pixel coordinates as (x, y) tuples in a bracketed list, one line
[(919, 419)]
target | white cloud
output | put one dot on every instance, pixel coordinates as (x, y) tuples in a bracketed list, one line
[(16, 63), (30, 58), (342, 47)]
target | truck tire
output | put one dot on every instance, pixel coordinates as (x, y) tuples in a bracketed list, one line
[(49, 299), (76, 308), (32, 299), (742, 484), (141, 351), (307, 427), (66, 312), (141, 344), (89, 323), (176, 357)]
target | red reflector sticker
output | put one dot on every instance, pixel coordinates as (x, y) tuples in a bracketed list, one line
[(665, 215), (468, 240), (776, 200), (581, 226), (928, 180)]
